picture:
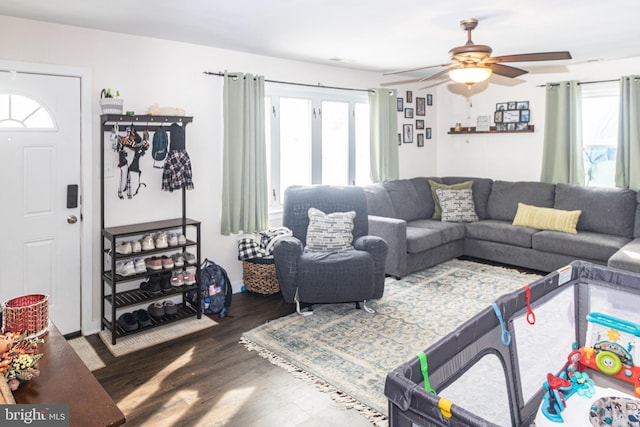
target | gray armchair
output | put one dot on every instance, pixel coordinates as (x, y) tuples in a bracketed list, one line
[(349, 275)]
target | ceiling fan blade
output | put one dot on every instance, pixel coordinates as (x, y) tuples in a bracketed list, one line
[(526, 57), (436, 76), (400, 82), (506, 70), (434, 84), (415, 69)]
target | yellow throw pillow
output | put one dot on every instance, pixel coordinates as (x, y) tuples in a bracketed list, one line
[(437, 212), (547, 218)]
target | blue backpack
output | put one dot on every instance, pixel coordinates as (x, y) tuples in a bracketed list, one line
[(215, 288)]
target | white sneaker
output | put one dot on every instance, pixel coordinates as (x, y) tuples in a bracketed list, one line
[(125, 268), (161, 240), (140, 265), (189, 258), (172, 239), (147, 243), (136, 246), (178, 260), (177, 278), (189, 277), (123, 248), (181, 239)]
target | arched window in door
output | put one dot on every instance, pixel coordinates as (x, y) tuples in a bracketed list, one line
[(22, 112)]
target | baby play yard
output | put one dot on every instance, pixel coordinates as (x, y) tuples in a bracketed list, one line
[(562, 351)]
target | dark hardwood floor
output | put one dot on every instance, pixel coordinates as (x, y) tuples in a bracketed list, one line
[(209, 379)]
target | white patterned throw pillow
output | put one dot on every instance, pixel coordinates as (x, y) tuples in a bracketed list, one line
[(329, 232), (457, 205)]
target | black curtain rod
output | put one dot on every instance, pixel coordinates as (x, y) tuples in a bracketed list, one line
[(294, 84), (588, 83)]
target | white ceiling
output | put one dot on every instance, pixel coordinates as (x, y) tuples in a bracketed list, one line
[(372, 35)]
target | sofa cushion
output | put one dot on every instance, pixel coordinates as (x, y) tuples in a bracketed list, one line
[(329, 232), (406, 201), (378, 201), (481, 189), (627, 258), (504, 197), (501, 232), (584, 245), (604, 210), (457, 205), (636, 230), (437, 213), (423, 189), (546, 218), (426, 234)]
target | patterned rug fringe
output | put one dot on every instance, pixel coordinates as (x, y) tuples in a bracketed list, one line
[(375, 417)]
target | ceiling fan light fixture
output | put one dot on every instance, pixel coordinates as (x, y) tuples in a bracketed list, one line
[(470, 75)]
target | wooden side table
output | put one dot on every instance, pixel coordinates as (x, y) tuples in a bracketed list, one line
[(64, 379)]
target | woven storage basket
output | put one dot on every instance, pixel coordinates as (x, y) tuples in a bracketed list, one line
[(28, 314), (259, 275), (111, 105)]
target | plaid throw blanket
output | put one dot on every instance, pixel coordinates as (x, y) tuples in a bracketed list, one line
[(260, 245)]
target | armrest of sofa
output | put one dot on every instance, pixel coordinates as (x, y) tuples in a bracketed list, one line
[(286, 252), (394, 232), (378, 248)]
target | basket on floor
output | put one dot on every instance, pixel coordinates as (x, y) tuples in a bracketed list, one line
[(28, 314), (259, 275)]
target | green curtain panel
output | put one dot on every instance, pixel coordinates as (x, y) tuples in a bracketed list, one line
[(562, 153), (383, 122), (628, 153), (244, 177)]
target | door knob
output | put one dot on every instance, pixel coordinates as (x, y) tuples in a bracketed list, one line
[(72, 219)]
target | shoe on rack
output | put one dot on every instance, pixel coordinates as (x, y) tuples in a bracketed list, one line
[(177, 278), (156, 310), (128, 322), (181, 239), (189, 277), (172, 239), (140, 265), (189, 258), (136, 246), (161, 240), (152, 285), (167, 262), (123, 248), (170, 308), (165, 282), (147, 243), (142, 317), (178, 260), (125, 268), (153, 263)]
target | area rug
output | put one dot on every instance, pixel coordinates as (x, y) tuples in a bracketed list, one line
[(349, 352), (130, 343), (87, 353)]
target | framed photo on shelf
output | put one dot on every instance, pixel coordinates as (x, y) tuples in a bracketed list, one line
[(511, 105), (419, 124), (429, 99), (420, 110), (524, 116), (407, 131), (408, 113), (522, 105), (501, 106), (501, 127), (497, 116), (511, 126), (420, 140), (400, 102), (522, 126), (511, 116), (409, 97), (428, 133)]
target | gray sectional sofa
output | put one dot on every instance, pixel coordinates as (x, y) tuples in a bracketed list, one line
[(608, 230)]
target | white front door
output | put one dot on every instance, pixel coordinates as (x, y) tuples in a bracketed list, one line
[(40, 159)]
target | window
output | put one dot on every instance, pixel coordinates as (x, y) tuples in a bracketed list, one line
[(21, 112), (600, 104), (315, 136)]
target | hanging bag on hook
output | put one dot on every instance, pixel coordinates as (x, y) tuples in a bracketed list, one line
[(159, 147)]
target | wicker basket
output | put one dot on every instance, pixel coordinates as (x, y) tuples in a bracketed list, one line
[(28, 314), (259, 275), (111, 105)]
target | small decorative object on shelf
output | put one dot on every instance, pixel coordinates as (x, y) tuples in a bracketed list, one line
[(18, 359)]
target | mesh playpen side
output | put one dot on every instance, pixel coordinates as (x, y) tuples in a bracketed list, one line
[(481, 381)]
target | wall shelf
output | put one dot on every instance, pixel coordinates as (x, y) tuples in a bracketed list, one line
[(472, 130)]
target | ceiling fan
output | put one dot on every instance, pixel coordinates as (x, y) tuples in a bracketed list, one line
[(473, 63)]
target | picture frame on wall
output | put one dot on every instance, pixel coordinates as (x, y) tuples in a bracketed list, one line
[(501, 127), (420, 106), (524, 116), (511, 105), (429, 99), (400, 106), (522, 105), (522, 126), (511, 116), (428, 133), (408, 113), (497, 116), (419, 124), (501, 106), (409, 97), (407, 132), (511, 126), (420, 140)]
